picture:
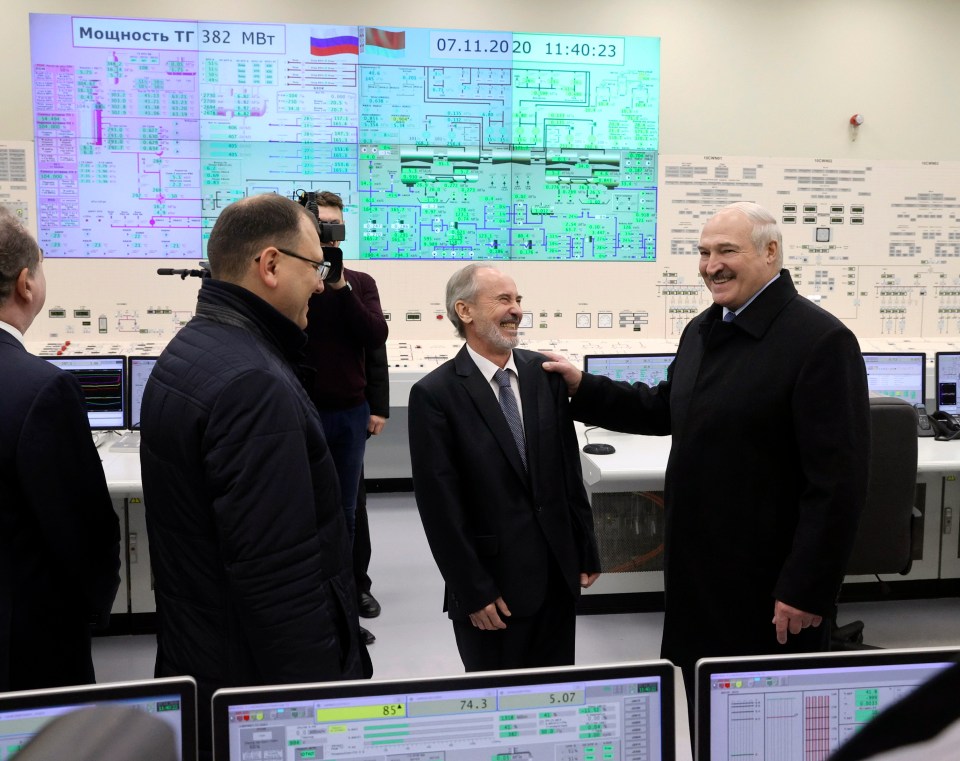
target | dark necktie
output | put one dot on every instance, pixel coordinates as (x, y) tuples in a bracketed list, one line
[(508, 403), (728, 317)]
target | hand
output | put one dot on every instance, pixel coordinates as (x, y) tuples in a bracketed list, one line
[(787, 618), (376, 424), (488, 618), (560, 364), (337, 285), (587, 579)]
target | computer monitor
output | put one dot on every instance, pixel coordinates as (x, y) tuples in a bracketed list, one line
[(948, 378), (801, 706), (102, 380), (899, 374), (138, 371), (174, 700), (632, 368), (617, 712)]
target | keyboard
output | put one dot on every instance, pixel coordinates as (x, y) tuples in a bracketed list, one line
[(128, 442)]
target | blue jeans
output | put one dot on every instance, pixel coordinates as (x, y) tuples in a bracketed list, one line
[(346, 432)]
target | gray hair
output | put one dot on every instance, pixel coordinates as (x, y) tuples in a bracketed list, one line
[(765, 227), (18, 250), (462, 286)]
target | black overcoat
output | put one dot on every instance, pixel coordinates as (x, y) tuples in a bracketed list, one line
[(767, 473), (59, 534)]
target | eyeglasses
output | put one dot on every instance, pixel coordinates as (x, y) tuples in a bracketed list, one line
[(321, 268)]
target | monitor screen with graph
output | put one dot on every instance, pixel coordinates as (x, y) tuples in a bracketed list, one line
[(801, 706), (632, 368), (173, 700), (102, 379), (617, 712), (948, 378), (139, 371), (899, 374)]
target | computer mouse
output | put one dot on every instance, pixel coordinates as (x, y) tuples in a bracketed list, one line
[(599, 448)]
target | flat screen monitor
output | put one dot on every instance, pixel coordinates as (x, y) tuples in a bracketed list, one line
[(102, 380), (948, 378), (801, 706), (632, 368), (898, 374), (139, 370), (618, 712), (174, 700)]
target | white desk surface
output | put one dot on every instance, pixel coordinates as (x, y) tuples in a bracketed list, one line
[(938, 456), (122, 470), (641, 461)]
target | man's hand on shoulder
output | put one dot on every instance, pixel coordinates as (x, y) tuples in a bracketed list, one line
[(488, 618), (560, 364), (789, 619)]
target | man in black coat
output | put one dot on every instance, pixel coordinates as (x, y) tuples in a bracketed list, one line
[(504, 509), (767, 403), (248, 542), (59, 534)]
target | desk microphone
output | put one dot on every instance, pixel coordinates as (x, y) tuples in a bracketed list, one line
[(597, 448)]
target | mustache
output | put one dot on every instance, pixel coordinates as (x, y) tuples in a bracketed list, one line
[(719, 275)]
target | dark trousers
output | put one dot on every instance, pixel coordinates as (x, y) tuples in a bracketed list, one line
[(346, 434), (53, 652), (547, 638), (362, 551)]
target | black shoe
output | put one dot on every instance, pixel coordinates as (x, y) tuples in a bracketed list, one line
[(367, 636), (368, 605)]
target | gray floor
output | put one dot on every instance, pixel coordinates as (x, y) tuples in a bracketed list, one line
[(414, 637)]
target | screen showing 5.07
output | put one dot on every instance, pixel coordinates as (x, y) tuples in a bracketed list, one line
[(443, 144)]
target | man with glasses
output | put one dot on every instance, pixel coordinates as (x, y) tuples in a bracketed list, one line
[(248, 543), (59, 535)]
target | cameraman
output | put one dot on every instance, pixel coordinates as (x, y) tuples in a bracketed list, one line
[(344, 323)]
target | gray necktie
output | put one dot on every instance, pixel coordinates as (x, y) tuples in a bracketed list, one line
[(508, 403)]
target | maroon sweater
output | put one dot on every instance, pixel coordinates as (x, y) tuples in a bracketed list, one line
[(341, 327)]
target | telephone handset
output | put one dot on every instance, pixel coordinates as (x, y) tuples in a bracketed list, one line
[(946, 426), (924, 428)]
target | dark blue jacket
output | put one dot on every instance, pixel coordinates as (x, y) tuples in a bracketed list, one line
[(248, 542)]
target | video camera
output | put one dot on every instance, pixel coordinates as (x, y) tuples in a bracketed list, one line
[(329, 231)]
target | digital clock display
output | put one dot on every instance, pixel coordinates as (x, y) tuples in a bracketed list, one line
[(519, 47)]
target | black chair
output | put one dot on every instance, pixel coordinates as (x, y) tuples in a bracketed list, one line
[(885, 536)]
